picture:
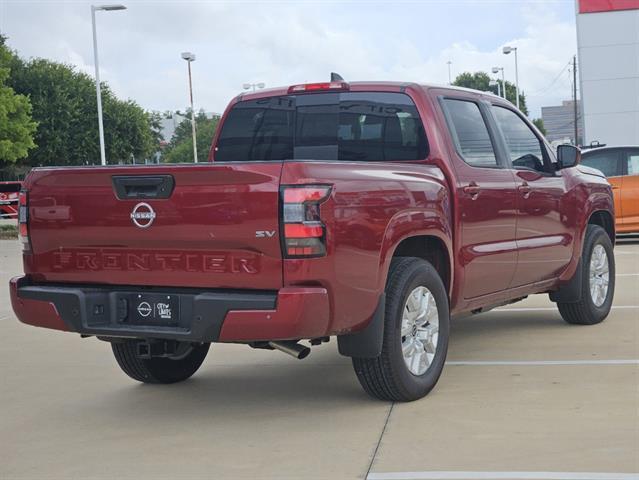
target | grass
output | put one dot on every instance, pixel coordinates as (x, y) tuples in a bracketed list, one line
[(8, 232)]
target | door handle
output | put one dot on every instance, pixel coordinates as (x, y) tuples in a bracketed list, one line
[(472, 189), (525, 189)]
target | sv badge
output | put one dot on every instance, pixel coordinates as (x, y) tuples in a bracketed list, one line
[(265, 234)]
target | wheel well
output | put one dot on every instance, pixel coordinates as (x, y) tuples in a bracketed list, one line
[(604, 220), (431, 249)]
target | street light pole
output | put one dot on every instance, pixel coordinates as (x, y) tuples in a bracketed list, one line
[(507, 50), (449, 77), (190, 57), (98, 91), (495, 83), (503, 78), (254, 86)]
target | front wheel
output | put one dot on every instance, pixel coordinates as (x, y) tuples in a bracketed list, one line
[(416, 329), (597, 281), (159, 369)]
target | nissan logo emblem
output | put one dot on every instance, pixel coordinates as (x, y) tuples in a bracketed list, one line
[(143, 215)]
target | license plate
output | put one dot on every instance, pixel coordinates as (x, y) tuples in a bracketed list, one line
[(152, 309)]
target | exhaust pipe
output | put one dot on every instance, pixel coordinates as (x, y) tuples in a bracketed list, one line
[(292, 348)]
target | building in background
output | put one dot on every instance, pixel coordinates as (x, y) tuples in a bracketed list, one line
[(559, 122), (608, 65)]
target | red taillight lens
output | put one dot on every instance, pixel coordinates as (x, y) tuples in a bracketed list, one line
[(314, 87), (23, 221), (304, 232)]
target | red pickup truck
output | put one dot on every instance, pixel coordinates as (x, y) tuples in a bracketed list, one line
[(368, 211)]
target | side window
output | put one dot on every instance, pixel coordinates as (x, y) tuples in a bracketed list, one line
[(470, 133), (606, 161), (633, 162), (524, 147)]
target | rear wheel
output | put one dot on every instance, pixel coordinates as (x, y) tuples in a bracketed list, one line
[(597, 282), (160, 369), (416, 328)]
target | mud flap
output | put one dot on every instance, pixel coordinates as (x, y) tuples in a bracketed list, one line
[(570, 292), (366, 343)]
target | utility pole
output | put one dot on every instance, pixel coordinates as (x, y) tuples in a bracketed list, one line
[(450, 82), (574, 97)]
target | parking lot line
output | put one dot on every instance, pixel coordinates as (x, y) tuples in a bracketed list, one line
[(443, 475), (541, 362), (627, 274), (540, 309)]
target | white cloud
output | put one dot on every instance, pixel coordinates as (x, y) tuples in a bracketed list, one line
[(291, 42)]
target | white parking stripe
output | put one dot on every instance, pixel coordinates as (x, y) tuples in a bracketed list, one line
[(542, 362), (627, 275), (502, 476), (543, 309)]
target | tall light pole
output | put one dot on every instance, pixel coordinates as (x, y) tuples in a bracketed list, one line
[(190, 57), (254, 86), (503, 79), (495, 83), (449, 63), (95, 8), (507, 50)]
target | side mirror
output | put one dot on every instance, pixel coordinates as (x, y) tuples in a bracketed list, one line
[(568, 156)]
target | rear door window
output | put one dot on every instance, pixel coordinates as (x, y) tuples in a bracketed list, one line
[(470, 133), (355, 126), (607, 161)]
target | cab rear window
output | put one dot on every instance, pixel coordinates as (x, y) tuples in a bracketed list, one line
[(351, 126)]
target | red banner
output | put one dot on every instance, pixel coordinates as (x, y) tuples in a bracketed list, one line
[(591, 6)]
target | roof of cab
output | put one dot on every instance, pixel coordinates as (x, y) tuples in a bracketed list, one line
[(277, 91)]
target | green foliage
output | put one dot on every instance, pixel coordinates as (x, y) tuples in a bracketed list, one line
[(16, 125), (539, 123), (65, 107), (155, 121), (8, 232), (180, 148), (481, 81)]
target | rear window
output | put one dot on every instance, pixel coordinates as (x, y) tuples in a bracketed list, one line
[(355, 126)]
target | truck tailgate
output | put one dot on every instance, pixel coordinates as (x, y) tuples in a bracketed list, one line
[(217, 228)]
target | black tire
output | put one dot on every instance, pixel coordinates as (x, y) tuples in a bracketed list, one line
[(387, 376), (585, 311), (158, 370)]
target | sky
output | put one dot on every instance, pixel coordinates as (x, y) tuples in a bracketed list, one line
[(289, 42)]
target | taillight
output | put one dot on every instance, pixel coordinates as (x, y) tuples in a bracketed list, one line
[(303, 233), (314, 87), (23, 221)]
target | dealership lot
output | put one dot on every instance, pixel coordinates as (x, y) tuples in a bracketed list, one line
[(523, 394)]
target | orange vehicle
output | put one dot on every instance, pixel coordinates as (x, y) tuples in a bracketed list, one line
[(621, 166)]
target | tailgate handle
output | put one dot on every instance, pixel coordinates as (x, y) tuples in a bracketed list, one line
[(143, 186)]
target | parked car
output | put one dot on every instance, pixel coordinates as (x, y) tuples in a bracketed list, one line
[(9, 199), (372, 212), (621, 167)]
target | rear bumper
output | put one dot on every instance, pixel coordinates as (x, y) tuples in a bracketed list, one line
[(205, 315)]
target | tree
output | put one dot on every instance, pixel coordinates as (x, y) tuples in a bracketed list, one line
[(65, 107), (481, 81), (16, 125), (180, 148), (539, 123)]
